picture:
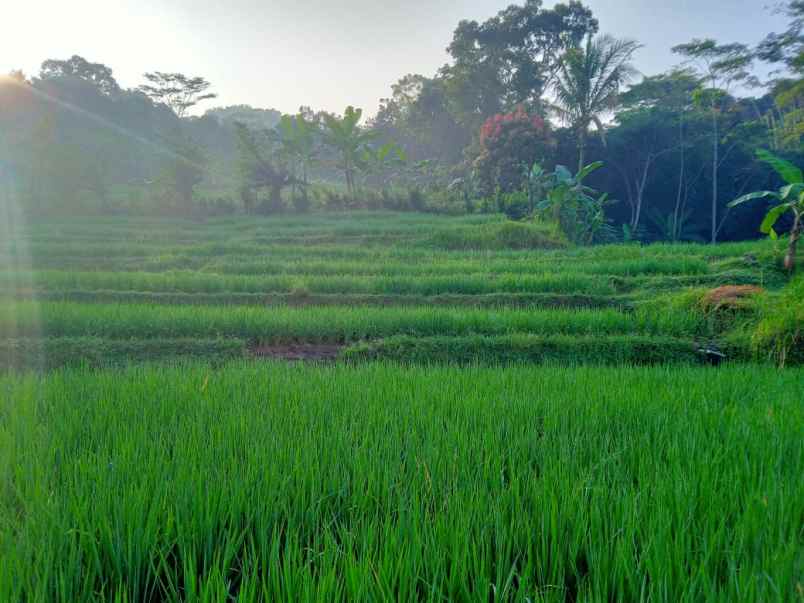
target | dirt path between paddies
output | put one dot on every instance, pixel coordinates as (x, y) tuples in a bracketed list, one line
[(310, 352)]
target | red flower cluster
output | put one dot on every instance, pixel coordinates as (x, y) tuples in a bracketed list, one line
[(493, 126)]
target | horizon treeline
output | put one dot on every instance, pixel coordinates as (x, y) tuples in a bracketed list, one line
[(529, 85)]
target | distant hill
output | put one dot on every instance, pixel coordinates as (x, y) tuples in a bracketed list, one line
[(254, 118)]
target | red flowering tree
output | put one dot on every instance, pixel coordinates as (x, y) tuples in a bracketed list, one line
[(509, 144)]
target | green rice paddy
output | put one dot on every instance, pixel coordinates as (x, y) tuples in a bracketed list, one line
[(495, 416)]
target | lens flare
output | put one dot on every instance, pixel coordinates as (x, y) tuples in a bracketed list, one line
[(16, 262)]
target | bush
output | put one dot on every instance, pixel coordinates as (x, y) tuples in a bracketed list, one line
[(416, 200), (779, 335), (334, 201), (516, 205), (508, 142)]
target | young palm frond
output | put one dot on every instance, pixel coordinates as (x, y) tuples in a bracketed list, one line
[(589, 82)]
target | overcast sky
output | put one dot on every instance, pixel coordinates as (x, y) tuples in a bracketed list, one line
[(322, 53)]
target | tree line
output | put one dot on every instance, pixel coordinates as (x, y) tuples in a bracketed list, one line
[(524, 93)]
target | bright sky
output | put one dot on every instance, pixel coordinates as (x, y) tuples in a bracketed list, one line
[(322, 53)]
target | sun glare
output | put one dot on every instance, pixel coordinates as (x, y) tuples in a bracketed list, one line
[(16, 265)]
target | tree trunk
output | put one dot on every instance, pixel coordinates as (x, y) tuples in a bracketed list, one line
[(581, 147), (276, 196), (640, 193), (715, 160), (350, 185), (676, 234), (795, 233)]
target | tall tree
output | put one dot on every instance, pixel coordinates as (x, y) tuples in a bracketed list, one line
[(345, 135), (787, 49), (176, 90), (98, 74), (511, 59), (652, 124), (721, 66), (419, 118), (588, 84)]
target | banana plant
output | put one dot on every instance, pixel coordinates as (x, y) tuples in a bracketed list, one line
[(299, 141), (384, 159), (536, 183), (577, 207), (790, 199), (297, 146), (345, 135)]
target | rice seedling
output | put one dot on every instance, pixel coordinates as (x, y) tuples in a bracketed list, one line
[(337, 324), (528, 348), (297, 483)]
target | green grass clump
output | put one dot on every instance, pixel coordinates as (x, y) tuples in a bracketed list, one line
[(502, 235), (371, 483), (535, 349), (200, 282), (326, 324), (49, 353), (485, 300), (779, 334)]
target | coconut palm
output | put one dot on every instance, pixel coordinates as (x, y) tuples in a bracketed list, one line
[(346, 136), (588, 83)]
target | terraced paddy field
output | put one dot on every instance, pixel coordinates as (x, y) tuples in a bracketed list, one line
[(401, 286), (480, 413)]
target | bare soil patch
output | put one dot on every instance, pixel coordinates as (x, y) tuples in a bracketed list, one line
[(730, 295), (309, 352)]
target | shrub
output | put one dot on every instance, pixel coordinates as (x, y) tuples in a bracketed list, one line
[(516, 205), (779, 335), (508, 142), (416, 200)]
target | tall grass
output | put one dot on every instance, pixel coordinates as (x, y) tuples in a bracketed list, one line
[(46, 353), (278, 483), (779, 334), (67, 319), (527, 348), (196, 282)]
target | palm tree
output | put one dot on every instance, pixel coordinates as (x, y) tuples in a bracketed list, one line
[(350, 140), (588, 84)]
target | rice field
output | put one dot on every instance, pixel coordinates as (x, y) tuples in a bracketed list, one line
[(380, 482), (364, 281), (482, 414)]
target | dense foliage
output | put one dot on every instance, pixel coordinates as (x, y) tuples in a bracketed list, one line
[(531, 84), (507, 143)]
